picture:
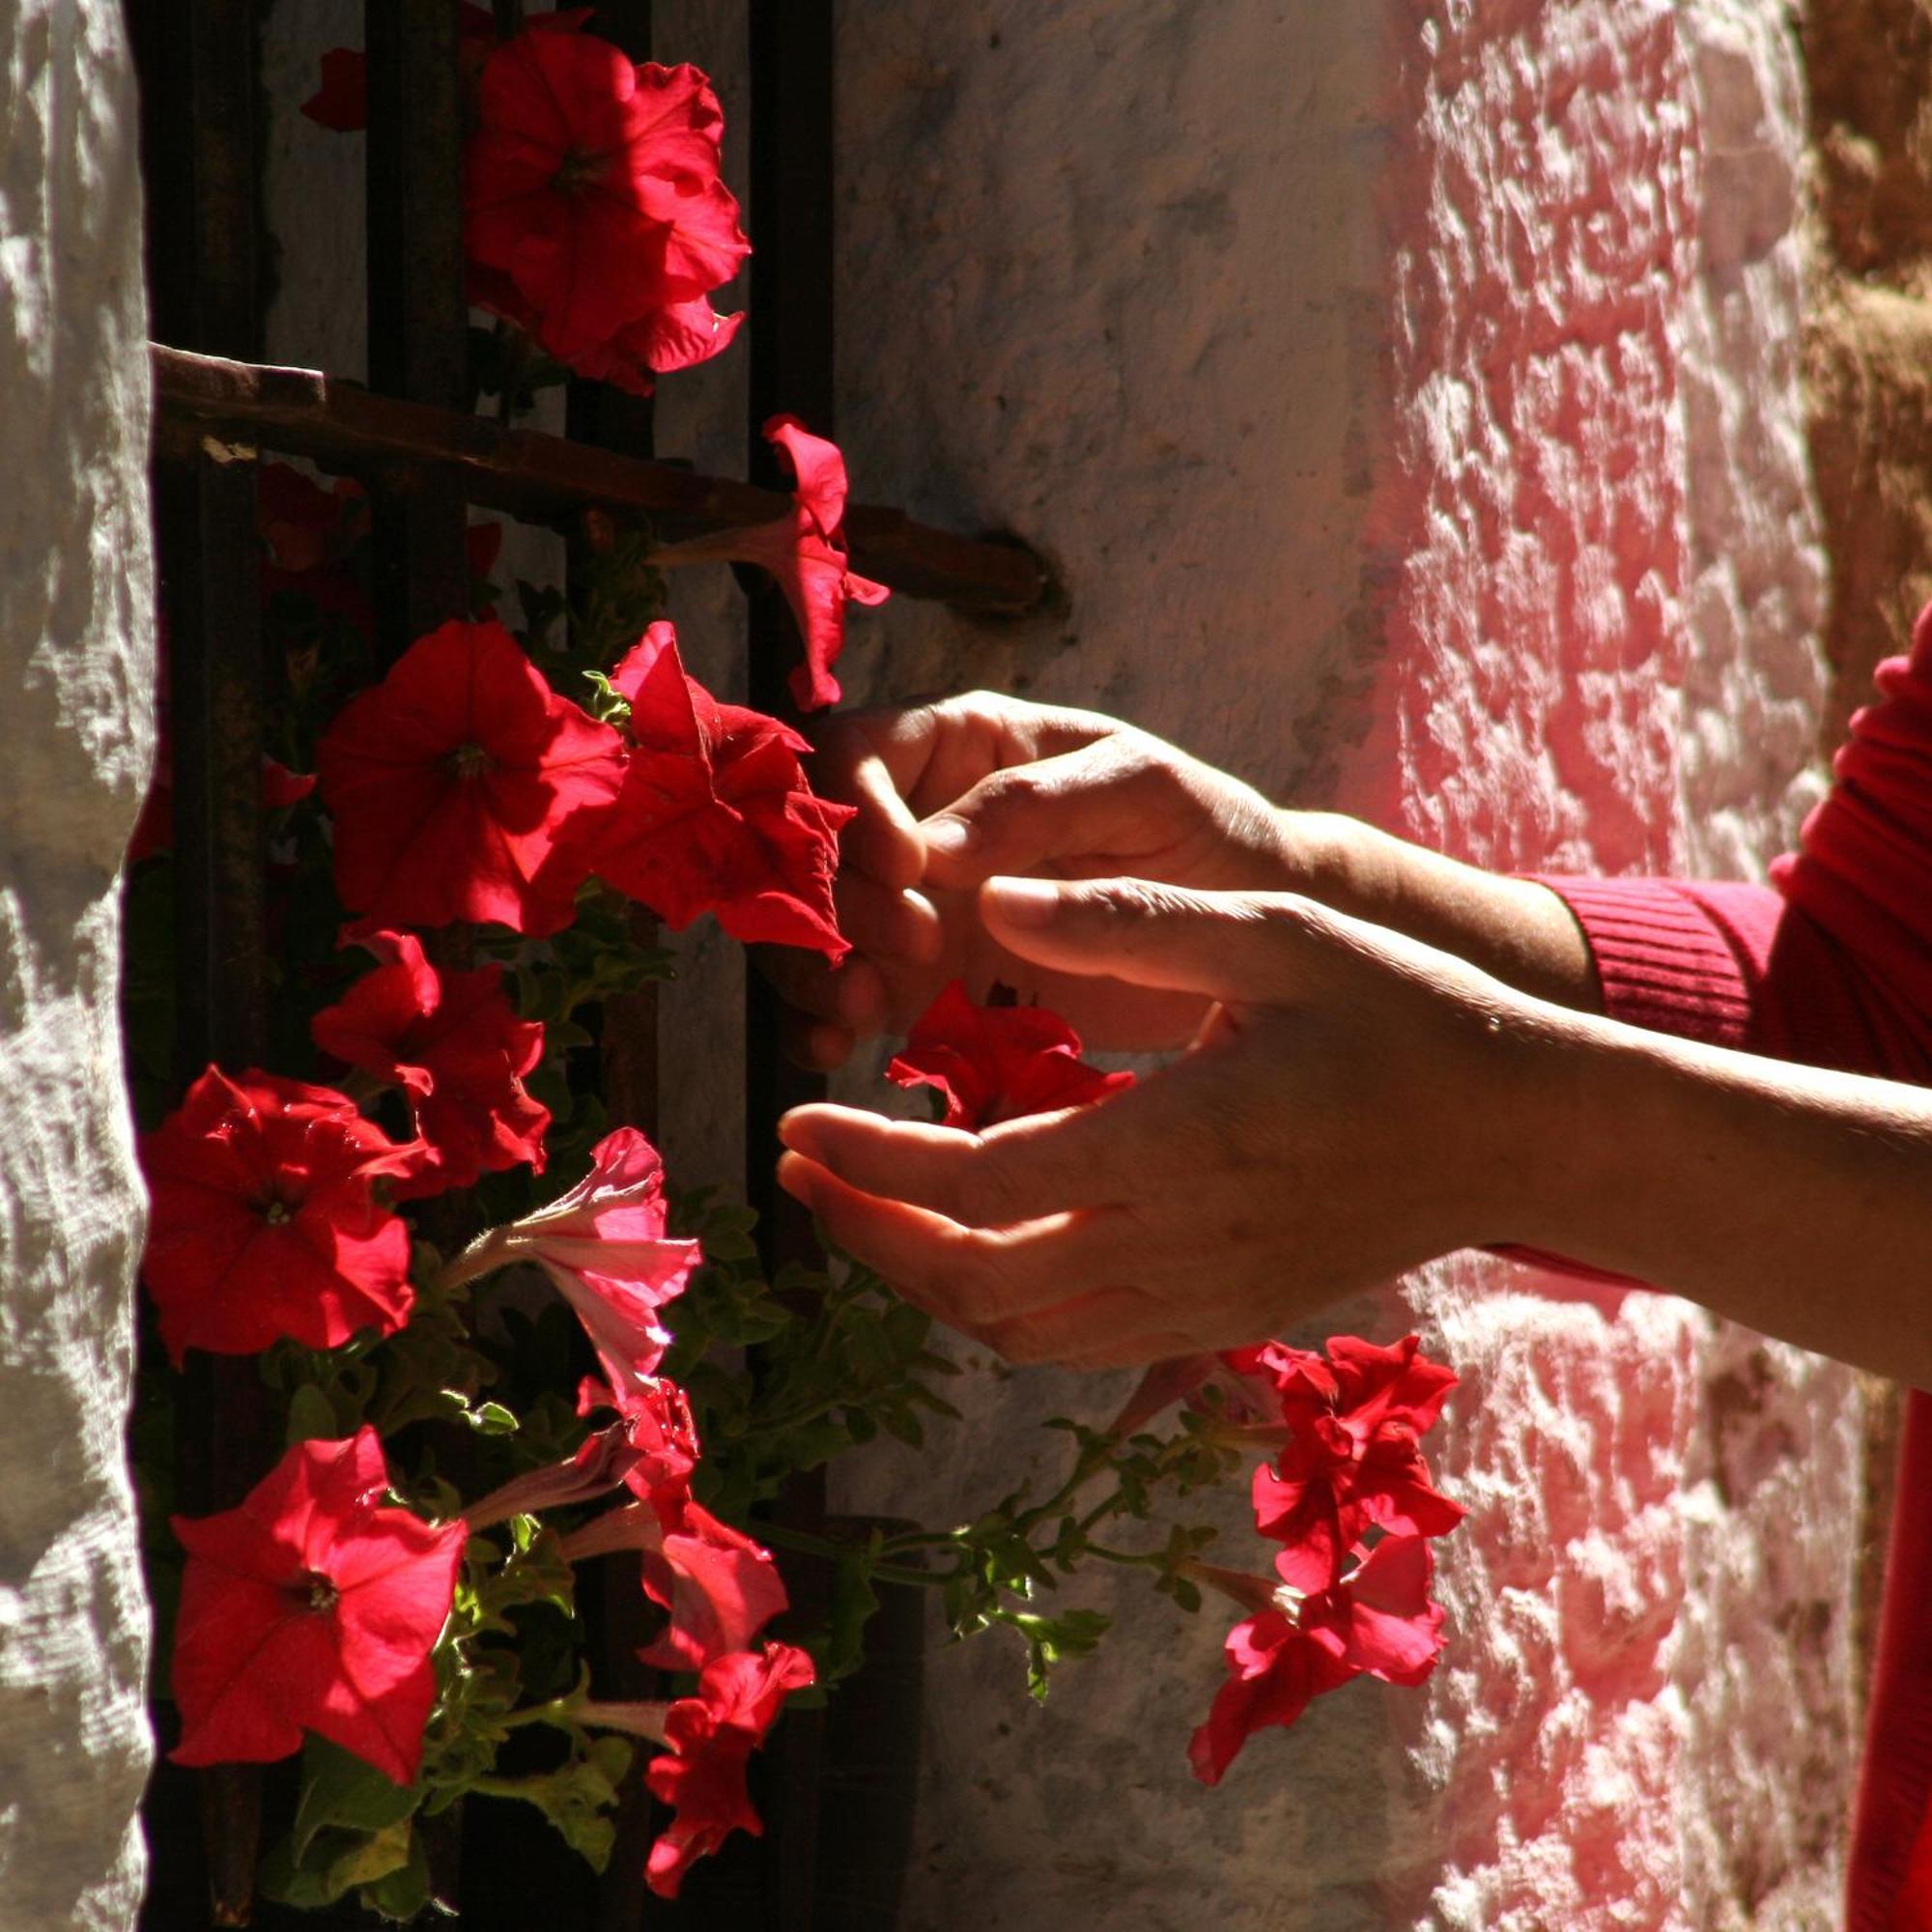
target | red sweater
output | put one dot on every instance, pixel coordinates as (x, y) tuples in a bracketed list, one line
[(1832, 965)]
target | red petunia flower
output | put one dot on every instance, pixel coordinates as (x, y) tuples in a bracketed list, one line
[(464, 788), (711, 1736), (804, 551), (455, 1046), (1378, 1622), (1355, 1457), (602, 1243), (265, 1221), (311, 1607), (592, 185), (677, 336), (716, 815), (998, 1063), (720, 1585)]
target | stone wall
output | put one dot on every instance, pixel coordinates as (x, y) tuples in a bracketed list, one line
[(76, 674)]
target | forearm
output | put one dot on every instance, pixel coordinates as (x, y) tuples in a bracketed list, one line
[(1518, 931), (1795, 1200)]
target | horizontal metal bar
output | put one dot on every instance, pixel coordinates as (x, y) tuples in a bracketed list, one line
[(203, 401)]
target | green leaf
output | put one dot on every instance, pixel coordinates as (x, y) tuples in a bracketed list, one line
[(340, 1789), (403, 1892), (311, 1416), (336, 1861)]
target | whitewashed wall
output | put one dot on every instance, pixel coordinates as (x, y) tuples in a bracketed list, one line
[(76, 670), (1407, 393)]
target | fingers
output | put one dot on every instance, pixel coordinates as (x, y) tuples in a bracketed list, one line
[(973, 1278), (1020, 1171), (898, 766), (1225, 945), (855, 762), (1096, 799), (831, 1006)]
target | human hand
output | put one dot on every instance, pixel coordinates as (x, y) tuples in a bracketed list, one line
[(1358, 1103), (951, 793)]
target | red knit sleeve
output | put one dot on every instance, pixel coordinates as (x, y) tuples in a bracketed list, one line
[(1832, 966)]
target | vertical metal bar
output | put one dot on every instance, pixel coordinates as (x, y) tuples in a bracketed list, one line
[(199, 69), (418, 347), (792, 368), (418, 321), (596, 414)]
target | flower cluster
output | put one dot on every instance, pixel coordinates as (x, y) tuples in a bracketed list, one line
[(597, 226), (604, 1246), (1349, 1470), (1348, 1496), (464, 787)]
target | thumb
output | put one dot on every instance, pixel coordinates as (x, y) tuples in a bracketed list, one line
[(1241, 946)]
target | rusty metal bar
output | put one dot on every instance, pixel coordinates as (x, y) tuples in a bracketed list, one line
[(198, 66), (418, 324), (791, 333), (203, 400)]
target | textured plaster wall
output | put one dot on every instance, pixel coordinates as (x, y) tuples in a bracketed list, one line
[(76, 668), (1407, 394)]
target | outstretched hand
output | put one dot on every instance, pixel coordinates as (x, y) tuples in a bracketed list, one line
[(1344, 1115)]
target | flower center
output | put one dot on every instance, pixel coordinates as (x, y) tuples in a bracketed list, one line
[(577, 170), (275, 1213), (470, 761), (322, 1593)]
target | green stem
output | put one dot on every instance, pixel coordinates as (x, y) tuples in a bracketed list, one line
[(558, 1712), (803, 1540), (1145, 1560)]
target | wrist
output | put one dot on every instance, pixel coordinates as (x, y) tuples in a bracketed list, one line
[(1336, 860)]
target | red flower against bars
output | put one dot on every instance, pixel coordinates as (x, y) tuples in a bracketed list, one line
[(464, 788), (720, 1585), (804, 551), (1377, 1622), (592, 186), (716, 815), (312, 1607), (341, 103), (659, 342), (998, 1063), (1355, 1457), (265, 1221), (711, 1736), (455, 1046), (603, 1244)]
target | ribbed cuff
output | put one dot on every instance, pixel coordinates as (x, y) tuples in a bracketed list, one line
[(1664, 962)]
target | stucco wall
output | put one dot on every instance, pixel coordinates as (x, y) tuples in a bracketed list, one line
[(1407, 395), (77, 670)]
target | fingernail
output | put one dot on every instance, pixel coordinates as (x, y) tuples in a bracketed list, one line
[(1024, 902), (947, 837)]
